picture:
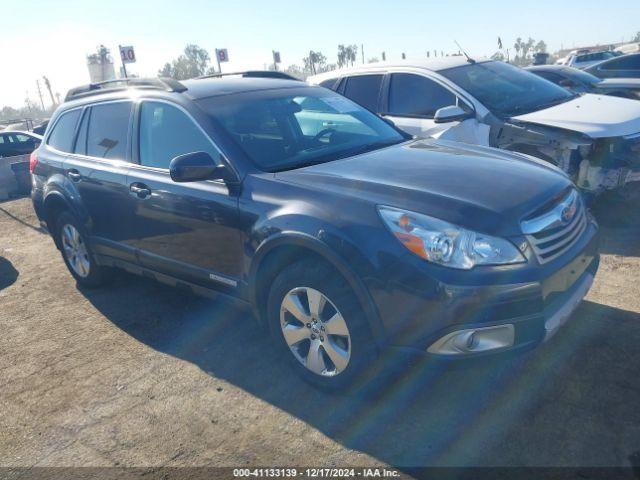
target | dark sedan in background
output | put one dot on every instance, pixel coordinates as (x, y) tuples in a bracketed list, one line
[(626, 66), (14, 142), (579, 81)]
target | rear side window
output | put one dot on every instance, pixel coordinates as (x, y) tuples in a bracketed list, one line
[(417, 96), (108, 129), (364, 89), (166, 132), (61, 137)]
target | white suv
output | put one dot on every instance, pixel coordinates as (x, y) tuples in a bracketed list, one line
[(594, 138), (584, 60)]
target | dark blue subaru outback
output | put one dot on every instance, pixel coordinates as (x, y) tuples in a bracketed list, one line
[(346, 236)]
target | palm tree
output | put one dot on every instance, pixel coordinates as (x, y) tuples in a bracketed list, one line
[(342, 55)]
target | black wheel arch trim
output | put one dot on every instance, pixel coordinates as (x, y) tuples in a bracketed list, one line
[(304, 240), (53, 192)]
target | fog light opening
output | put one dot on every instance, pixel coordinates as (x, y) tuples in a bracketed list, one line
[(474, 340)]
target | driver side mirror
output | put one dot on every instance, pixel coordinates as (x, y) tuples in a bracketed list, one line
[(452, 113), (196, 166)]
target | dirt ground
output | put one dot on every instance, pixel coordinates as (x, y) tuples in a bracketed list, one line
[(144, 375)]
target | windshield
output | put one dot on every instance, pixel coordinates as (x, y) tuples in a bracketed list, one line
[(290, 128), (506, 90), (581, 76)]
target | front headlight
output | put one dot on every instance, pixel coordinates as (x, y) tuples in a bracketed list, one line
[(446, 244)]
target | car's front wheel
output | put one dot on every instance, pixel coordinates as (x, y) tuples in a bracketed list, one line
[(319, 325)]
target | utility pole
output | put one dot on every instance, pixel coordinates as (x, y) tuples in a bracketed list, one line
[(40, 94), (362, 51), (48, 84), (28, 102)]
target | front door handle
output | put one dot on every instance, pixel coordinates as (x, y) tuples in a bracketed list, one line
[(74, 175), (140, 190)]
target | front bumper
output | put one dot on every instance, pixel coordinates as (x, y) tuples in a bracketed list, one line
[(418, 309)]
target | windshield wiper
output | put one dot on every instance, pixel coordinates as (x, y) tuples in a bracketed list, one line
[(359, 150), (557, 101), (370, 147), (542, 106)]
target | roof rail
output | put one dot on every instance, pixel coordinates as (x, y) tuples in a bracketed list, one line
[(160, 83), (254, 74)]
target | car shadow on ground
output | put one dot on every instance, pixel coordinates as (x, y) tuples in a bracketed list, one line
[(509, 412), (618, 215), (8, 273), (21, 221)]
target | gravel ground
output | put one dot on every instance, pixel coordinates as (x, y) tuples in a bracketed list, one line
[(143, 375)]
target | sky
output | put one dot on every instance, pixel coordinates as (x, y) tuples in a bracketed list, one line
[(53, 37)]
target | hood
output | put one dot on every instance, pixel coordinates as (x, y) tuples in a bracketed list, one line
[(594, 115), (481, 188)]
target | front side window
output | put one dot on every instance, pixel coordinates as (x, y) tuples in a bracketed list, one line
[(330, 84), (167, 132), (290, 128), (61, 137), (25, 138), (417, 96), (364, 89), (108, 130), (506, 90), (551, 76), (581, 76)]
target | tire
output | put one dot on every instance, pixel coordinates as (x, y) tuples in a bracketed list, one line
[(77, 253), (317, 349)]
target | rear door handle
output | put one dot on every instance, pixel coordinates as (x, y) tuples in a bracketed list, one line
[(74, 175), (140, 190)]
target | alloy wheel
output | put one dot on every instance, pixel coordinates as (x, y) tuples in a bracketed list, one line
[(315, 331), (75, 250)]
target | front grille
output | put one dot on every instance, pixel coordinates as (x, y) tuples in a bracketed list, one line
[(550, 235)]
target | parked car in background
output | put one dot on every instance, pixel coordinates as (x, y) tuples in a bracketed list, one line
[(594, 138), (17, 142), (41, 128), (633, 47), (625, 66), (586, 59), (346, 236), (15, 147), (580, 81)]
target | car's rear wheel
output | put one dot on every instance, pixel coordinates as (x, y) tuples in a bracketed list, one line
[(77, 253), (318, 324)]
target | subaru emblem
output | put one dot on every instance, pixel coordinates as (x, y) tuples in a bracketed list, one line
[(568, 212)]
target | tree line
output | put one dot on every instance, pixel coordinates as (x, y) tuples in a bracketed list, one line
[(195, 61)]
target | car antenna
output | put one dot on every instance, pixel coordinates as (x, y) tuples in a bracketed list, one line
[(469, 59)]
